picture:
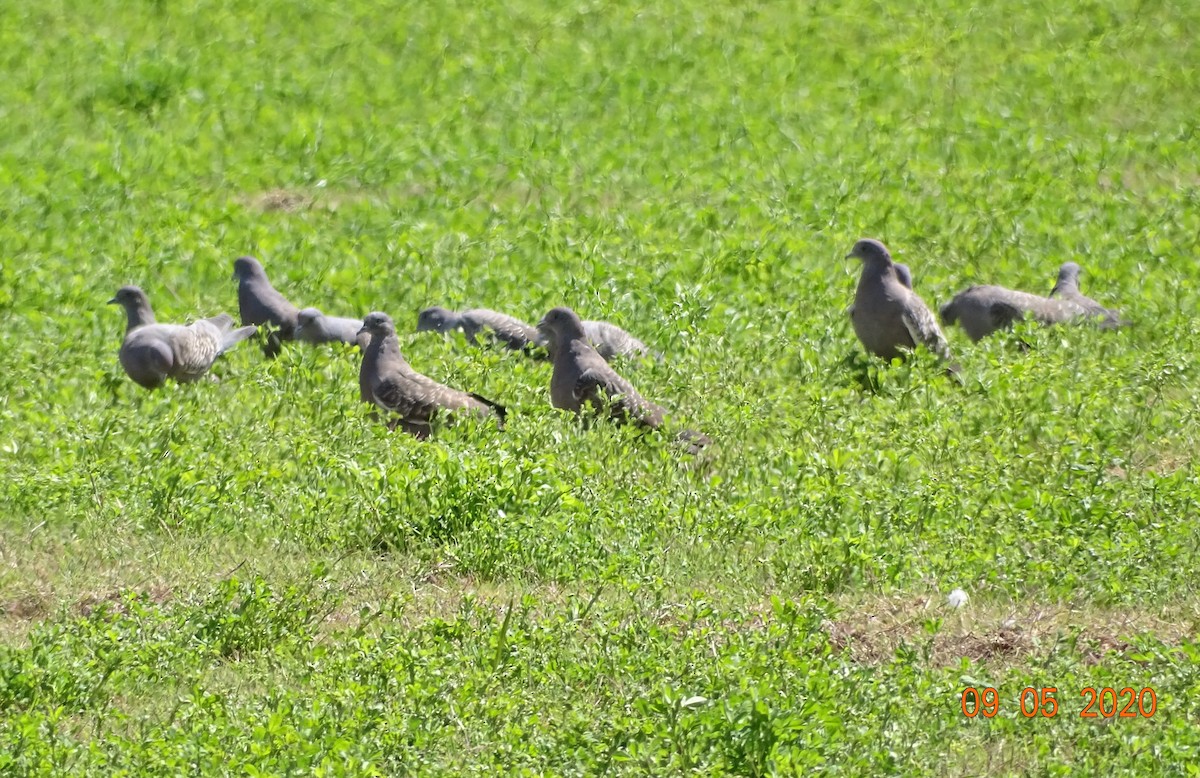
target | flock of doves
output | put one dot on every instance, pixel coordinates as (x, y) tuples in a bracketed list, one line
[(888, 318)]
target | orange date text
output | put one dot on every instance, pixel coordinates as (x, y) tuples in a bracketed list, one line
[(1126, 703)]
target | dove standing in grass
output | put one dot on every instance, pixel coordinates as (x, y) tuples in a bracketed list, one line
[(512, 332), (387, 380), (582, 380), (982, 310), (888, 317), (312, 326), (152, 352), (260, 303), (1067, 288)]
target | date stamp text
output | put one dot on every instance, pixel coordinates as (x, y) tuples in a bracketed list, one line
[(1107, 702)]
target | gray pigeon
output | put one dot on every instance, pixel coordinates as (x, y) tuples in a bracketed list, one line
[(888, 317), (153, 352), (387, 380), (581, 378), (513, 333), (260, 303), (1067, 288), (312, 326), (982, 310)]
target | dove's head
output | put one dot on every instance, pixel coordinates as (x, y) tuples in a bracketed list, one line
[(378, 324), (129, 295), (307, 315), (136, 305), (1068, 274), (871, 252), (246, 268), (561, 322), (436, 319)]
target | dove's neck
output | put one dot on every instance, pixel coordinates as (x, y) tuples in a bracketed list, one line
[(877, 275), (138, 314), (564, 339), (257, 277), (1066, 285), (257, 284), (385, 350), (879, 268)]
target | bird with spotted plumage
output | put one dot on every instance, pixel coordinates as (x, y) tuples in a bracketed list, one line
[(152, 352), (412, 400), (582, 381), (889, 318)]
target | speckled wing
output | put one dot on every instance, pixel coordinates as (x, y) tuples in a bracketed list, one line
[(923, 327), (600, 386), (196, 347), (414, 398), (417, 399), (513, 333), (610, 341)]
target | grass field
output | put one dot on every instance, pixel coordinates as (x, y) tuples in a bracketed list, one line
[(250, 577)]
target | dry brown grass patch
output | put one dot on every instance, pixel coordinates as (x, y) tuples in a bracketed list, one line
[(287, 200), (114, 599), (1001, 636), (292, 200)]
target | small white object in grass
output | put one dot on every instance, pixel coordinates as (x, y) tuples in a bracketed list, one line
[(957, 598), (692, 702)]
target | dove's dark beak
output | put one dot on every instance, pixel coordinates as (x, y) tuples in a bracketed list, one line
[(113, 301), (363, 331)]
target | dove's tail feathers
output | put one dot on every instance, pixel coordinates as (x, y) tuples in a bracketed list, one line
[(231, 338), (500, 411), (222, 321)]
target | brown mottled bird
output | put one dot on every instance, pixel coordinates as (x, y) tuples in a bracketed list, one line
[(982, 310), (1067, 287), (387, 380), (153, 352), (888, 317), (582, 379), (512, 332), (260, 303), (312, 326)]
